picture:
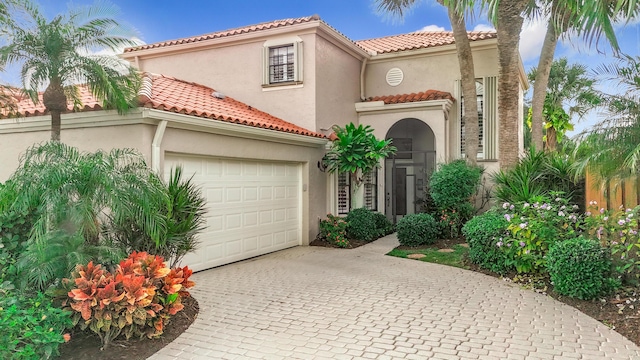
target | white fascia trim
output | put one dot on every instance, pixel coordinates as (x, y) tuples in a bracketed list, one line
[(189, 122), (243, 38), (87, 119), (374, 106), (436, 50), (342, 41), (104, 118)]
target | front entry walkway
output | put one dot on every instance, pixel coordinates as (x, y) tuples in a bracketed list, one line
[(319, 303)]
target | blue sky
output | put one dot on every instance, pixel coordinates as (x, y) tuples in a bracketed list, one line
[(159, 20)]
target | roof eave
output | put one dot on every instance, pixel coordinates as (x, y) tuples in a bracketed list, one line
[(449, 48), (337, 37)]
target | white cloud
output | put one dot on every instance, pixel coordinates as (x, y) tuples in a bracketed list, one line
[(532, 38), (483, 27), (432, 28)]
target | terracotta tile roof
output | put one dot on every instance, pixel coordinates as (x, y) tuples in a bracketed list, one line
[(178, 96), (418, 40), (413, 97), (225, 33)]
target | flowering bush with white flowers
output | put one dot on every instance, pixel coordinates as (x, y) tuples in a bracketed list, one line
[(617, 230), (534, 228)]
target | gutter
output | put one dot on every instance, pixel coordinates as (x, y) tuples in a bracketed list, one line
[(155, 146), (362, 84)]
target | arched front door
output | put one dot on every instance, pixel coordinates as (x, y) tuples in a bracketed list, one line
[(408, 171)]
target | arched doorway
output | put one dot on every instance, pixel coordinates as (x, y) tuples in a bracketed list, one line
[(407, 172)]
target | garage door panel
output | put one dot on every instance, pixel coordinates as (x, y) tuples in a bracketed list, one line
[(253, 208)]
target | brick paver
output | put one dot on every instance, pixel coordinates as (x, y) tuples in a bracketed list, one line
[(319, 303)]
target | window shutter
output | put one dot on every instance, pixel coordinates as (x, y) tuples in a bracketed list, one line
[(297, 53), (344, 193), (491, 117), (265, 65)]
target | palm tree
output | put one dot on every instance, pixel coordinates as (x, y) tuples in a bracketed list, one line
[(455, 10), (60, 53), (569, 87), (610, 150), (507, 15), (589, 20)]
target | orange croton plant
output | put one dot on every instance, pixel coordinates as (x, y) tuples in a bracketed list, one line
[(138, 298)]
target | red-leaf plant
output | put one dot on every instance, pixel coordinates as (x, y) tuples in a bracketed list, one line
[(138, 298)]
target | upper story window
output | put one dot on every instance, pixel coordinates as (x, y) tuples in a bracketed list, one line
[(282, 62)]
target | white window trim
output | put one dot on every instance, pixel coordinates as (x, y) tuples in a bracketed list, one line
[(297, 63), (489, 121)]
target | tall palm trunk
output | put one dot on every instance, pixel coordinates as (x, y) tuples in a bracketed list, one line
[(552, 140), (542, 75), (55, 101), (509, 25), (541, 83), (468, 82)]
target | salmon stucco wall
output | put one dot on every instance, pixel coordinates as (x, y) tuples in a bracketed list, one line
[(430, 71), (236, 70), (86, 139), (338, 85)]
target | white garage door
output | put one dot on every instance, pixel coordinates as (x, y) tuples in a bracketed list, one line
[(253, 207)]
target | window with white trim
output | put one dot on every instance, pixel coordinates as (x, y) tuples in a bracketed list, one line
[(282, 63), (487, 100), (344, 193), (480, 102), (370, 184)]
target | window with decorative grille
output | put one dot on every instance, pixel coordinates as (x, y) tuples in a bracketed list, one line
[(370, 184), (281, 64), (344, 193)]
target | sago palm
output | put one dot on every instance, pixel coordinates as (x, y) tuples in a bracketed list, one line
[(60, 53)]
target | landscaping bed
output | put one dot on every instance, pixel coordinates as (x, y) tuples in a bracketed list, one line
[(618, 311), (86, 345)]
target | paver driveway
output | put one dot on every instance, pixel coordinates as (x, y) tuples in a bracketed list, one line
[(319, 303)]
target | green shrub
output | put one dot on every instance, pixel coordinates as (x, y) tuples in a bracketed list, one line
[(417, 229), (30, 327), (383, 225), (361, 225), (454, 183), (334, 230), (580, 268), (483, 232), (537, 174), (182, 209), (452, 188), (534, 228)]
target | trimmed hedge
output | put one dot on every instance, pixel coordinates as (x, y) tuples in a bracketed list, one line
[(580, 268), (418, 229), (482, 233), (361, 225), (384, 226)]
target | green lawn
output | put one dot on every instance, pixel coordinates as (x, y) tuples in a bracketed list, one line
[(455, 258)]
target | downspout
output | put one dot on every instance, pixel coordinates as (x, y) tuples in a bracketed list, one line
[(362, 84), (155, 146)]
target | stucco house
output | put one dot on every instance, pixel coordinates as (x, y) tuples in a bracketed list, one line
[(249, 112)]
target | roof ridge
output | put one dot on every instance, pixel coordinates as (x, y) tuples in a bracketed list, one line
[(232, 31)]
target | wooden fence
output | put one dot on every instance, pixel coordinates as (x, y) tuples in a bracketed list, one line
[(612, 195)]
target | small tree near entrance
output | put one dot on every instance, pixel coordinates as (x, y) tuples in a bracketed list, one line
[(356, 151)]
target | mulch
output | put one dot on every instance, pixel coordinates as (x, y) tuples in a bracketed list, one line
[(86, 345)]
